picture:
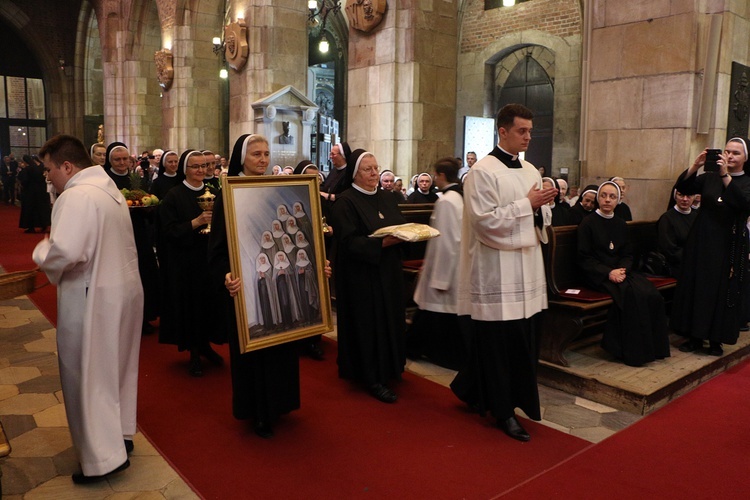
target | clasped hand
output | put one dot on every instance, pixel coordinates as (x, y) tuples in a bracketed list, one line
[(539, 197), (617, 275)]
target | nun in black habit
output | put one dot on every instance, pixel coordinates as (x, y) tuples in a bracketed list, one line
[(169, 175), (708, 302), (585, 205), (559, 211), (122, 180), (185, 320), (265, 382), (142, 221), (673, 229), (636, 331), (369, 281)]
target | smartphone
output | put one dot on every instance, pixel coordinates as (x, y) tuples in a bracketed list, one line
[(712, 156)]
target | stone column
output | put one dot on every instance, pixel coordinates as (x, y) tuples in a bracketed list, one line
[(277, 36), (402, 86)]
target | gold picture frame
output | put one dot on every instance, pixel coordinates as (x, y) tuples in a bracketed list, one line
[(283, 277)]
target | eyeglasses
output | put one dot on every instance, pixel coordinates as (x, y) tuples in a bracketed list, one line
[(199, 165)]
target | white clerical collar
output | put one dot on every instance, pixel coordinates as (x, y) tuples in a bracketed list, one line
[(199, 188), (513, 157), (340, 168), (165, 174), (364, 191), (209, 178), (424, 192), (599, 212), (684, 212), (737, 174), (118, 173)]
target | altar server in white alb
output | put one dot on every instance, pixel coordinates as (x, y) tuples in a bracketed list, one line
[(91, 257), (501, 276), (434, 332)]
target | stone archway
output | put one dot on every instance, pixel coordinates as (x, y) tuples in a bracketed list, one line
[(92, 74)]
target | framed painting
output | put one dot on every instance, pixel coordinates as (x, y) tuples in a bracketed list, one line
[(275, 235)]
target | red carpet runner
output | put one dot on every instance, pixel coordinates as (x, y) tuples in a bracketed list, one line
[(695, 447), (340, 444)]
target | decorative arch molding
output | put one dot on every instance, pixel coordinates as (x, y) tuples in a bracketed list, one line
[(499, 66)]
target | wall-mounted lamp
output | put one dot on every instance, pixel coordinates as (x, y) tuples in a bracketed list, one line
[(313, 20), (223, 73), (509, 3)]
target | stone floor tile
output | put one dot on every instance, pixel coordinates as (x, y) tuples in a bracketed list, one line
[(66, 462), (42, 345), (27, 404), (594, 406), (50, 334), (444, 380), (41, 442), (8, 391), (619, 420), (144, 474), (572, 416), (18, 374), (592, 434), (423, 368), (13, 321), (555, 426), (46, 384), (143, 447), (59, 396), (554, 397), (63, 488), (15, 425), (179, 490), (22, 474), (137, 495), (54, 416)]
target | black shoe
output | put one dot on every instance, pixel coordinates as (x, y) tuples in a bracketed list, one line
[(513, 429), (314, 351), (196, 368), (213, 356), (129, 446), (715, 349), (147, 328), (691, 345), (263, 429), (30, 230), (79, 478), (382, 393), (745, 328)]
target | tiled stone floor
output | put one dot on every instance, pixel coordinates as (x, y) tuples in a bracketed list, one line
[(42, 458)]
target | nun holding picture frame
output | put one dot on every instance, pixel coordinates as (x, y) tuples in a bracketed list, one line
[(279, 301)]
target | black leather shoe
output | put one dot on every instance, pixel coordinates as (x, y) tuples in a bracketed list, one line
[(691, 345), (79, 478), (513, 429), (129, 446), (212, 356), (715, 349), (382, 393), (314, 351), (263, 429)]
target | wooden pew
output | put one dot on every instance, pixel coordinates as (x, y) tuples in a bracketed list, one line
[(571, 316)]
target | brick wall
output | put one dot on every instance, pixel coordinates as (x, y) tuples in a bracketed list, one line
[(481, 27)]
